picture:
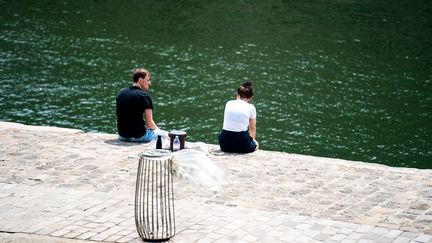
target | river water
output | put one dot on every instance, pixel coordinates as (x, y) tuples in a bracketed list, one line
[(345, 79)]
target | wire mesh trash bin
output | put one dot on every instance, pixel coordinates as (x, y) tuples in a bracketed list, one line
[(154, 196)]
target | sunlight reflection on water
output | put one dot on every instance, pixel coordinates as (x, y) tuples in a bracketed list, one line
[(340, 97)]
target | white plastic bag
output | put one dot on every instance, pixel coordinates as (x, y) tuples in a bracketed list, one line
[(197, 170)]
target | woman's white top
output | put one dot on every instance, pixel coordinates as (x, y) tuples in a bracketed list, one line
[(237, 114)]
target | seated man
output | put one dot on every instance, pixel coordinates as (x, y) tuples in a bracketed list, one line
[(133, 104)]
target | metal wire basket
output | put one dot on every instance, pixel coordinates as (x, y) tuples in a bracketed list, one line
[(154, 196)]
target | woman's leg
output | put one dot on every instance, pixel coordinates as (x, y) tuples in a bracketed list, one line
[(236, 142)]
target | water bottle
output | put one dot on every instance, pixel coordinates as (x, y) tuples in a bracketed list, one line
[(159, 142), (176, 144)]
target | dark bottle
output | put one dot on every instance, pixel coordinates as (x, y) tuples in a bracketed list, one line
[(159, 143)]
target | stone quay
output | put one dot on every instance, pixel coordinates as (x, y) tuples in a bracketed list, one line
[(66, 185)]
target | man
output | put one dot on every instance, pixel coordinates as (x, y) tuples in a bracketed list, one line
[(133, 105)]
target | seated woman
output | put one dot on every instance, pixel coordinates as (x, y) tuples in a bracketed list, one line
[(239, 115)]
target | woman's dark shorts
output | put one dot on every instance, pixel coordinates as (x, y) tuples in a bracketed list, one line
[(236, 142)]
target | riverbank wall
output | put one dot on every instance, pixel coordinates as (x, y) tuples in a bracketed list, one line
[(71, 185)]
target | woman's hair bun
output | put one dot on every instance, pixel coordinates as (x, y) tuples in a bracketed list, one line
[(247, 84), (245, 90)]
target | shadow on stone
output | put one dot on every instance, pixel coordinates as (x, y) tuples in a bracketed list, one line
[(118, 142), (219, 152)]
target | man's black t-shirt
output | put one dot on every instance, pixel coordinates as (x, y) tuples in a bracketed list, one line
[(131, 103)]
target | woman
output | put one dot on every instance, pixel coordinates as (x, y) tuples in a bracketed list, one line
[(239, 115)]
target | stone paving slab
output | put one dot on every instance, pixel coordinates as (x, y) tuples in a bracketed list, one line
[(80, 215), (80, 186)]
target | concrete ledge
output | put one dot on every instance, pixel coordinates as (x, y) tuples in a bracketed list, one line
[(86, 182), (19, 126)]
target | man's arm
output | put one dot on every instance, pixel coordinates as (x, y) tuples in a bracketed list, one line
[(149, 119)]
